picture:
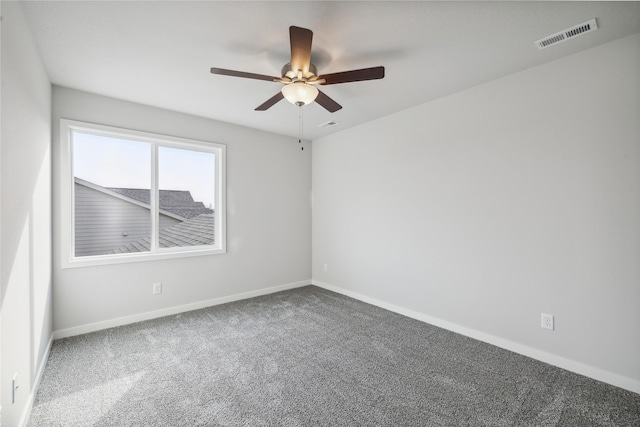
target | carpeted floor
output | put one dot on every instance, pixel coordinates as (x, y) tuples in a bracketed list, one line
[(309, 357)]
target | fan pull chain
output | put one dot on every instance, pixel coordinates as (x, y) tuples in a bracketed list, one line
[(301, 127)]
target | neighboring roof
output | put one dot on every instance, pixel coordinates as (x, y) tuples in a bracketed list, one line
[(179, 202), (197, 226), (196, 231), (120, 196)]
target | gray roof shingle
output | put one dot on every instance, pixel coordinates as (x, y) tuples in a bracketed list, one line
[(179, 202), (196, 231)]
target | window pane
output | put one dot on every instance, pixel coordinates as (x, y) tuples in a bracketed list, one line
[(186, 182), (112, 185)]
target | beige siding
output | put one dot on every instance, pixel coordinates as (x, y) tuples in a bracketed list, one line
[(101, 222)]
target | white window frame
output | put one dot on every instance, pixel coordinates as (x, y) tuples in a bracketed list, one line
[(67, 209)]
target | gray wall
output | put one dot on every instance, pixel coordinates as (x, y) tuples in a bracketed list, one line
[(25, 219), (268, 223), (481, 210)]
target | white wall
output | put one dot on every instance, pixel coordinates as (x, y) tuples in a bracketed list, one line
[(481, 210), (268, 223), (25, 218)]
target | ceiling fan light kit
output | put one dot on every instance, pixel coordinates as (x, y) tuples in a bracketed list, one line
[(300, 76), (300, 93)]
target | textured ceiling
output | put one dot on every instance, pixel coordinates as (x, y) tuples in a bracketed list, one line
[(160, 53)]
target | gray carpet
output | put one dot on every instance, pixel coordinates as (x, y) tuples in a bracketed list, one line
[(309, 357)]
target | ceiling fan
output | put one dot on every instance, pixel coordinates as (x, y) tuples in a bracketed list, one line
[(300, 76)]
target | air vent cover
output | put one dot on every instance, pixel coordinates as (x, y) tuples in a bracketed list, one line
[(328, 124), (567, 34)]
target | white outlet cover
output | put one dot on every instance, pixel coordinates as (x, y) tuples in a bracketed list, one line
[(546, 321), (14, 388)]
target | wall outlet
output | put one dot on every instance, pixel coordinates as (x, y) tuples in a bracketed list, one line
[(14, 388), (546, 321), (325, 267), (157, 288)]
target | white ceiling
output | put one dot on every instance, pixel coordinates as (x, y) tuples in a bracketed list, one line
[(160, 53)]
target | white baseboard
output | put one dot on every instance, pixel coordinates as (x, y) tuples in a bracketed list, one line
[(543, 356), (36, 384), (126, 320)]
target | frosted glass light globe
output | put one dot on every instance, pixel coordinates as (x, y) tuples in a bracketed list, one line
[(299, 93)]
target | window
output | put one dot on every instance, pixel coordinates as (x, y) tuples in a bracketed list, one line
[(130, 196)]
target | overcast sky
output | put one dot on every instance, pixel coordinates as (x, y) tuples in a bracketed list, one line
[(111, 162)]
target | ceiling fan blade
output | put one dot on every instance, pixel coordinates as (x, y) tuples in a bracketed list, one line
[(353, 76), (270, 102), (329, 104), (234, 73), (301, 39)]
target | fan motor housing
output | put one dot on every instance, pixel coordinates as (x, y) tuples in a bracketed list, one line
[(288, 73)]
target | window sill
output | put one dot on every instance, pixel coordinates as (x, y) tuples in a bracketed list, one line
[(91, 261)]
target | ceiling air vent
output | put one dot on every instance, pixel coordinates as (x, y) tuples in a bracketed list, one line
[(328, 124), (567, 34)]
